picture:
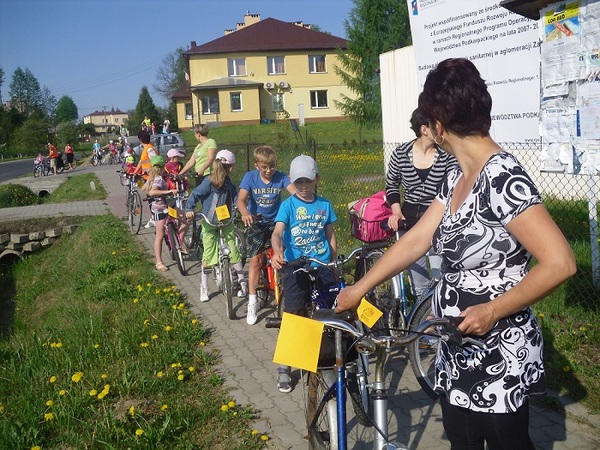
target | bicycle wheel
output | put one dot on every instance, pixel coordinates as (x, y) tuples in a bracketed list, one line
[(382, 296), (37, 171), (321, 413), (134, 212), (240, 243), (95, 161), (422, 352), (358, 389), (262, 290), (176, 246), (227, 287)]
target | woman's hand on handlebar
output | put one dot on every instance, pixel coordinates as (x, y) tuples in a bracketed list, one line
[(478, 319), (393, 221), (348, 299)]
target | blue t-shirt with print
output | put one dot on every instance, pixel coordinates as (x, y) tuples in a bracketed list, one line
[(305, 223), (264, 198)]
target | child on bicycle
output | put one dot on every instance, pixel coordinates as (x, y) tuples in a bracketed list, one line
[(261, 188), (303, 227), (214, 191), (157, 185), (174, 165)]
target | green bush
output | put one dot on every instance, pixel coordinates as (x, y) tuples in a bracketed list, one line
[(12, 195)]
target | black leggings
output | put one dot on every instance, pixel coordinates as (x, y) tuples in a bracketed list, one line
[(468, 430)]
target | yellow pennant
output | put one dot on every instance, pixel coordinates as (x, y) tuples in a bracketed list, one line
[(222, 213), (172, 212), (367, 313), (299, 342)]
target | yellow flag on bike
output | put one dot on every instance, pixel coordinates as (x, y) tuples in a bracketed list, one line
[(299, 342), (368, 313), (222, 213)]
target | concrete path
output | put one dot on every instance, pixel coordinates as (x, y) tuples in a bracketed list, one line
[(246, 354)]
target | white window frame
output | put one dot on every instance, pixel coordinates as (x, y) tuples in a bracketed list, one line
[(315, 100), (189, 111), (236, 67), (314, 61), (231, 95), (273, 62), (206, 104), (278, 102)]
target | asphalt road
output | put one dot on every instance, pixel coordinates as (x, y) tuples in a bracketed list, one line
[(15, 169)]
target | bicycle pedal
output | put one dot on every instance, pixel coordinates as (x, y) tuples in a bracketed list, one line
[(207, 269)]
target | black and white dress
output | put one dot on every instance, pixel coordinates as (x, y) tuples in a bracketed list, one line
[(481, 261)]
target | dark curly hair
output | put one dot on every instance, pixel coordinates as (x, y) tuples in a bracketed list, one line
[(455, 94), (417, 120)]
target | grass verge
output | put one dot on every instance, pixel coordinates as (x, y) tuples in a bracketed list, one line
[(102, 352)]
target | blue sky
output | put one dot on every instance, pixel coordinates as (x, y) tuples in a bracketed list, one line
[(101, 53)]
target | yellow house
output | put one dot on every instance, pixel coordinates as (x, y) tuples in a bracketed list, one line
[(264, 71), (105, 121)]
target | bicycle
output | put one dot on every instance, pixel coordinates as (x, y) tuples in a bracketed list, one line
[(41, 168), (324, 397), (222, 271), (391, 298), (133, 203), (269, 279), (98, 158), (172, 239)]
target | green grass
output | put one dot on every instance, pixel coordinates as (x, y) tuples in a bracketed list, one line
[(103, 353)]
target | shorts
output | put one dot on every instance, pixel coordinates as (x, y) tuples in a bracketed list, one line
[(159, 215), (70, 157), (258, 237), (297, 292), (53, 163)]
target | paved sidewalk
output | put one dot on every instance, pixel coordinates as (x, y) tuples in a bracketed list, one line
[(246, 353)]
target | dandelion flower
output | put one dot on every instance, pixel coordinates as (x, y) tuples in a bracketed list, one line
[(146, 322), (254, 432), (264, 437), (58, 344), (52, 379), (139, 288), (96, 345), (48, 416), (77, 376), (168, 328), (1, 408), (159, 374), (113, 253), (194, 321), (139, 432), (135, 300), (101, 395), (181, 306), (231, 404), (191, 368), (143, 344), (62, 392), (224, 407), (175, 365), (149, 284), (202, 344), (36, 447), (180, 377), (93, 393), (155, 336), (163, 407), (541, 315), (49, 403), (131, 411), (104, 376)]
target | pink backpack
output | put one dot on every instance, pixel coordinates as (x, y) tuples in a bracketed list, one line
[(366, 215)]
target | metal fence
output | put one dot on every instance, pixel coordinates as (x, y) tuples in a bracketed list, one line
[(352, 171)]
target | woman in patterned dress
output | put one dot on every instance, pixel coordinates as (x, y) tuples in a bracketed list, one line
[(486, 223)]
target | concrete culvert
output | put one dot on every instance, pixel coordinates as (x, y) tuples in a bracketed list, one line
[(43, 193), (9, 257)]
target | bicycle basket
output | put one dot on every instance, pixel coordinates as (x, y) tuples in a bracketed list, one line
[(124, 179)]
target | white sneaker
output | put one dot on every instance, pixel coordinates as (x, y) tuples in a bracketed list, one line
[(252, 314), (204, 294), (149, 224), (243, 289)]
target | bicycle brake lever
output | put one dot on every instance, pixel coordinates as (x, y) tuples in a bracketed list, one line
[(455, 337)]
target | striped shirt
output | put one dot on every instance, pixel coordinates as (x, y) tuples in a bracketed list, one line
[(418, 194)]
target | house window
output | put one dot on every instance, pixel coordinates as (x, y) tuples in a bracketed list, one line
[(316, 63), (236, 67), (278, 103), (318, 99), (210, 104), (236, 101), (275, 65), (189, 111)]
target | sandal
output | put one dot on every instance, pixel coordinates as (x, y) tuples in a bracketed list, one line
[(161, 267)]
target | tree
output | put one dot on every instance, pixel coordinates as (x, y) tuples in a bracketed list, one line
[(48, 103), (145, 107), (66, 132), (32, 136), (25, 91), (374, 27), (66, 110), (170, 76), (1, 83)]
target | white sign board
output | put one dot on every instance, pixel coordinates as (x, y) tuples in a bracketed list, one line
[(503, 45)]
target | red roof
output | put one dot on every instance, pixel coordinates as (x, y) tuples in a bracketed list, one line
[(270, 35)]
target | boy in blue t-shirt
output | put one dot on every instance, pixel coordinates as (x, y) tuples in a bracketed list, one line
[(303, 227), (261, 190)]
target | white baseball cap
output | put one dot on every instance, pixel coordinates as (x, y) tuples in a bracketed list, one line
[(303, 166), (174, 152), (226, 157)]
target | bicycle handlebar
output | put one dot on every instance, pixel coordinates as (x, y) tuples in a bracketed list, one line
[(450, 333), (220, 223)]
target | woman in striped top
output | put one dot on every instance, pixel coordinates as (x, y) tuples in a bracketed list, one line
[(417, 168)]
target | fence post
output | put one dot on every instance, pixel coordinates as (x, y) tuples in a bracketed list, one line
[(593, 219)]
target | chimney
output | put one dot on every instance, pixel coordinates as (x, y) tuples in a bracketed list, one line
[(193, 44)]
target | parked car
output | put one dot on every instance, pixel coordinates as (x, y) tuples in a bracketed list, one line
[(162, 142)]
